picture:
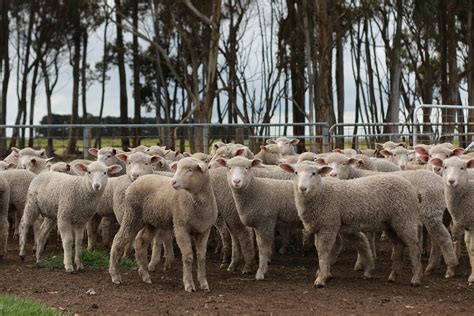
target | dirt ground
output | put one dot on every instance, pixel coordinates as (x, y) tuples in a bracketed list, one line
[(286, 290)]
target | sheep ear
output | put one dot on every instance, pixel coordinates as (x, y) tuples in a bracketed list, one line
[(263, 147), (337, 150), (114, 151), (93, 151), (11, 165), (40, 153), (400, 145), (295, 141), (256, 162), (324, 170), (353, 161), (122, 157), (421, 151), (113, 169), (320, 161), (470, 163), (186, 154), (218, 145), (423, 159), (174, 166), (68, 167), (410, 152), (33, 161), (379, 146), (80, 168), (239, 152), (437, 162), (154, 159), (271, 141), (16, 150), (221, 162), (176, 153), (203, 166), (386, 153), (457, 151), (287, 167), (49, 159)]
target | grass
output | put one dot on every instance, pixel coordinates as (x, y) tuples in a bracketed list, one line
[(12, 305), (96, 259)]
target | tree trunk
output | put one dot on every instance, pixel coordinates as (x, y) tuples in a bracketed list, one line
[(48, 92), (103, 76), (84, 77), (122, 76), (4, 70), (393, 110), (136, 76), (34, 85), (452, 42), (76, 65), (340, 88), (309, 67)]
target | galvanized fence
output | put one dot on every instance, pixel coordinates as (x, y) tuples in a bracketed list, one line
[(75, 140)]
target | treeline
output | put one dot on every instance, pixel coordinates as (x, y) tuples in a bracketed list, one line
[(191, 61)]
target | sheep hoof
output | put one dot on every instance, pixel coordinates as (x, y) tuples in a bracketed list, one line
[(246, 270), (415, 283), (189, 288), (151, 267), (22, 257), (222, 266), (318, 284), (259, 276), (429, 269), (145, 276), (205, 287), (471, 280), (116, 279), (449, 272), (358, 266)]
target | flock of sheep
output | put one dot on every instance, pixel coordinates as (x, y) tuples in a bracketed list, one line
[(158, 195)]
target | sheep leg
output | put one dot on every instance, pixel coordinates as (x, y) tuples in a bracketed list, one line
[(105, 226), (236, 258), (66, 231), (441, 239), (142, 241), (183, 239), (42, 237), (410, 239), (201, 247), (469, 240), (361, 243), (265, 237), (123, 237), (324, 244), (336, 249), (245, 240), (457, 235), (16, 232), (4, 234), (30, 214), (307, 243), (285, 238), (168, 249), (92, 227), (156, 250), (358, 266), (78, 239), (397, 254)]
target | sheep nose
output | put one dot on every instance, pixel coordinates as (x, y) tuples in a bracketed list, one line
[(173, 182), (96, 186), (451, 181), (236, 181), (303, 189), (333, 174), (135, 176), (402, 167)]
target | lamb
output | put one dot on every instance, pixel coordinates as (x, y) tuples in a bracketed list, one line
[(112, 201), (270, 154), (140, 148), (4, 201), (156, 150), (25, 154), (261, 204), (400, 156), (108, 155), (328, 207), (440, 151), (185, 203), (431, 209), (68, 199), (62, 167), (349, 152), (13, 157), (459, 195), (4, 165), (375, 164), (200, 156), (286, 145), (369, 152), (173, 155), (306, 156), (38, 164), (228, 151)]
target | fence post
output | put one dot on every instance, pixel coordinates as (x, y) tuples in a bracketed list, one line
[(205, 139), (85, 142), (239, 135), (325, 132)]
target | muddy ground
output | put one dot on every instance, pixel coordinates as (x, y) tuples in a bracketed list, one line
[(286, 290)]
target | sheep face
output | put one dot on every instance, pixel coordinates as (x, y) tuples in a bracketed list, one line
[(140, 149), (239, 174), (285, 144), (26, 154), (60, 167), (188, 175), (441, 151), (6, 165), (13, 157), (399, 156), (340, 165), (96, 173), (454, 170), (307, 156), (105, 155), (35, 163), (308, 177), (156, 150), (139, 164), (227, 151), (272, 153)]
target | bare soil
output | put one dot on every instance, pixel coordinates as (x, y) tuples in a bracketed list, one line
[(286, 290)]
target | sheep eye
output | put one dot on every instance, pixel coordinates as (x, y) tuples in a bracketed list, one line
[(190, 169), (105, 172), (344, 164), (146, 163), (445, 167), (88, 172), (296, 172), (314, 173), (446, 156), (462, 168)]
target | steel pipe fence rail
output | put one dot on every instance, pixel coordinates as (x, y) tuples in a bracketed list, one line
[(184, 133)]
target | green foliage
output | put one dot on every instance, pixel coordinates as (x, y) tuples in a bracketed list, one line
[(96, 259), (11, 305)]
